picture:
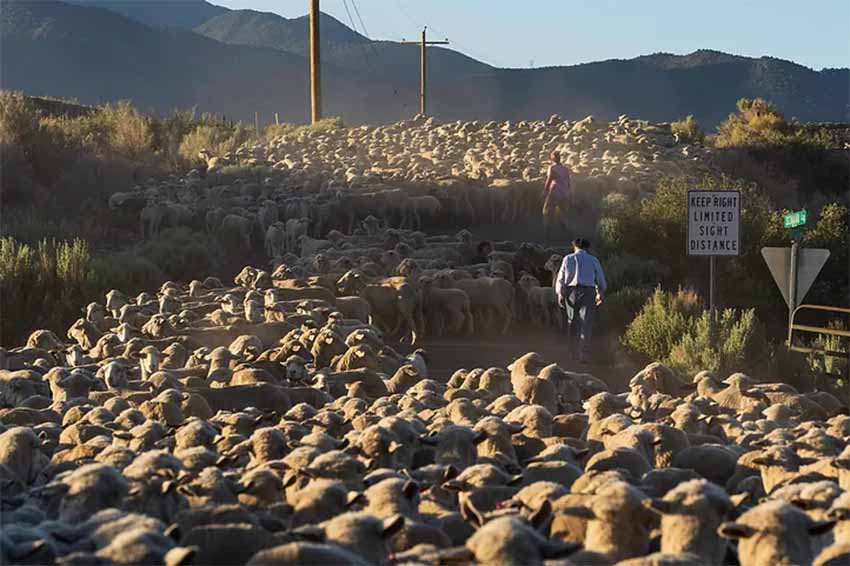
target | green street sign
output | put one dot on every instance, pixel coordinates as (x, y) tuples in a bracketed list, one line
[(795, 219)]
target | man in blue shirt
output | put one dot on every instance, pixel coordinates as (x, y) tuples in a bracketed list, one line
[(580, 286)]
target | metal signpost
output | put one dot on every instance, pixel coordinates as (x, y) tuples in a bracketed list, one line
[(795, 269), (714, 226)]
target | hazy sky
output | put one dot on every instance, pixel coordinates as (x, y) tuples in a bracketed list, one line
[(515, 33)]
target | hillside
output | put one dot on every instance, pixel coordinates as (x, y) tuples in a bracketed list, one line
[(341, 46), (94, 55), (159, 13), (238, 62)]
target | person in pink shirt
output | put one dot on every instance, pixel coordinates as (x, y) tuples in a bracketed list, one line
[(556, 194)]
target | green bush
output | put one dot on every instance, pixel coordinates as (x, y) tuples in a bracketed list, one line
[(688, 130), (832, 231), (43, 286), (740, 345), (183, 254), (662, 322)]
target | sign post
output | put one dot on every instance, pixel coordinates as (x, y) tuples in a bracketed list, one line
[(714, 226), (794, 269)]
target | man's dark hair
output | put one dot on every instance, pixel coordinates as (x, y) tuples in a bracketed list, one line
[(581, 243), (484, 244)]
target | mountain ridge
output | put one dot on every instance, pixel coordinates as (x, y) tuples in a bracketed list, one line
[(96, 55)]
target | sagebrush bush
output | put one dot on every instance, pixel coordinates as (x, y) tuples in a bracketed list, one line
[(739, 344), (662, 322), (42, 286), (625, 270), (218, 139), (759, 124), (277, 130), (688, 130), (18, 118)]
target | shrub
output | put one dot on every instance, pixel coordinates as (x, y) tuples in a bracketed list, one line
[(759, 124), (217, 139), (832, 231), (127, 272), (622, 306), (661, 323), (740, 345), (43, 286), (182, 254), (625, 269), (328, 124), (821, 364), (18, 118), (278, 130), (688, 130)]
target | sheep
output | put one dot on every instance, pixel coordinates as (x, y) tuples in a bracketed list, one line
[(226, 544), (447, 308), (20, 455), (507, 540), (774, 532), (618, 524), (690, 516), (362, 534), (89, 489), (306, 553)]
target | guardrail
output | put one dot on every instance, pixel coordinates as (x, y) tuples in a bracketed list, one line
[(793, 326)]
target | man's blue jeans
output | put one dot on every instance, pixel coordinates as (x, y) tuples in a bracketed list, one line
[(581, 304)]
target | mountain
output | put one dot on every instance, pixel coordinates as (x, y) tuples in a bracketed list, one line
[(341, 45), (239, 62), (160, 13), (95, 55)]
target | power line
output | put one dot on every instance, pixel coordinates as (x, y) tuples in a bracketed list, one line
[(362, 25), (350, 19)]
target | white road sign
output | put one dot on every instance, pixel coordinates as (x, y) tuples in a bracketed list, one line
[(714, 222)]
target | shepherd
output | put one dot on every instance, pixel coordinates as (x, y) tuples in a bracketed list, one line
[(580, 286), (556, 193)]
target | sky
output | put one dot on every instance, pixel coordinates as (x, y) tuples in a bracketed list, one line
[(524, 33)]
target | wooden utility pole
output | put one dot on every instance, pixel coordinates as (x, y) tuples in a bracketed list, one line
[(315, 65), (423, 79)]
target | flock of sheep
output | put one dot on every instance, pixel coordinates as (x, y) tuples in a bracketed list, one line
[(277, 420), (415, 174)]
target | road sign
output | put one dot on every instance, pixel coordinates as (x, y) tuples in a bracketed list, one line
[(714, 221), (795, 219), (809, 263)]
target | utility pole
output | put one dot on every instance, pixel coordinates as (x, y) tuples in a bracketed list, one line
[(423, 44), (315, 65)]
